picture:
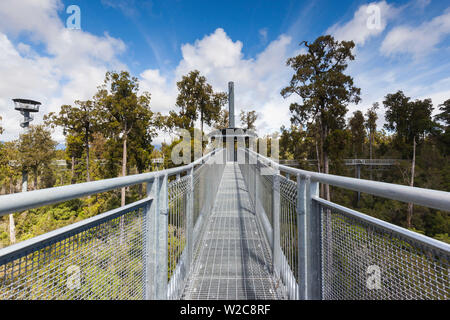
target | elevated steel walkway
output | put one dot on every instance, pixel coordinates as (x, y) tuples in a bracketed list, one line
[(251, 229), (234, 259)]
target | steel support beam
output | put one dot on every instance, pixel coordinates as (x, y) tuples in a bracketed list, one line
[(309, 239), (313, 243)]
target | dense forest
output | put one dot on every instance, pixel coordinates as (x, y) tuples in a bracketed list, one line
[(112, 135)]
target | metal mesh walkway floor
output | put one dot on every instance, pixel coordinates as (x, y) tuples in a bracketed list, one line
[(233, 261)]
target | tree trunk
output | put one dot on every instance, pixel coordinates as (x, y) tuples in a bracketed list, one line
[(12, 229), (124, 165), (88, 175), (73, 170), (11, 185), (322, 163), (325, 162), (370, 152), (201, 122), (35, 183), (413, 167), (326, 171), (317, 156)]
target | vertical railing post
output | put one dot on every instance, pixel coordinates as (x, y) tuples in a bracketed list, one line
[(276, 222), (312, 242), (303, 184), (150, 237), (161, 272), (309, 240), (190, 220)]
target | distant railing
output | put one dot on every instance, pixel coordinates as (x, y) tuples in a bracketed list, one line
[(322, 250), (143, 250), (348, 162), (371, 162)]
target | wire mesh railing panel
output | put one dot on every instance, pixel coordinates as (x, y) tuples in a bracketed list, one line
[(105, 260), (289, 234), (362, 260), (178, 201), (199, 191), (266, 195)]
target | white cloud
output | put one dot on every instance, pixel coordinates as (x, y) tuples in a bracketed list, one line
[(163, 93), (418, 41), (257, 81), (73, 64), (422, 3), (368, 21)]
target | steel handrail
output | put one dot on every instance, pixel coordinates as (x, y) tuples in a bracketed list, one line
[(425, 197), (33, 199)]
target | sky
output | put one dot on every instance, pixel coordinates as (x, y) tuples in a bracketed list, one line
[(400, 45)]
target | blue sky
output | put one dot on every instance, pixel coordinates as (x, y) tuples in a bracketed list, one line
[(155, 30), (246, 42)]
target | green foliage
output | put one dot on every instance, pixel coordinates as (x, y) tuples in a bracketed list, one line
[(293, 144), (223, 119), (81, 122), (325, 91), (321, 84), (248, 119), (358, 133), (37, 149), (408, 119), (196, 99)]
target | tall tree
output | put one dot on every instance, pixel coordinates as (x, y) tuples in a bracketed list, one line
[(75, 143), (444, 116), (222, 121), (248, 119), (80, 120), (37, 150), (122, 110), (196, 98), (371, 126), (410, 120), (324, 89), (358, 133), (7, 171), (293, 144), (443, 119)]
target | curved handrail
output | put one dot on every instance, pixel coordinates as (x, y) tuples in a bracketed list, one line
[(38, 198)]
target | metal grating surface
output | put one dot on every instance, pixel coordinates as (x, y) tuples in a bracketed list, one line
[(365, 261), (102, 261), (233, 260)]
